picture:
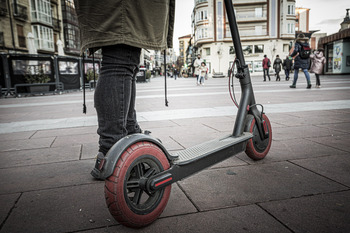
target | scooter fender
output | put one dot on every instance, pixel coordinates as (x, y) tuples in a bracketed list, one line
[(110, 160)]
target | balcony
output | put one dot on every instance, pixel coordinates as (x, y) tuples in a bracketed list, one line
[(20, 12)]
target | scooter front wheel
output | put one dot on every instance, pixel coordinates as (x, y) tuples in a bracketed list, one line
[(128, 203), (257, 148)]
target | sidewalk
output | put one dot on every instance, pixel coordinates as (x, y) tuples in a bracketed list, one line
[(47, 149)]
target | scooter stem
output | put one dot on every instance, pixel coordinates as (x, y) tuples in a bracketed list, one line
[(247, 97)]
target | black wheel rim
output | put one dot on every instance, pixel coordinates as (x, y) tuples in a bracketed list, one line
[(139, 201)]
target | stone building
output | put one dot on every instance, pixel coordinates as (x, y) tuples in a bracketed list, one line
[(51, 24), (265, 27)]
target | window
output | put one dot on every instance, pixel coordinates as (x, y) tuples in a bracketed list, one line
[(68, 67), (291, 10), (286, 48), (43, 37), (258, 12), (21, 37), (202, 15), (72, 36), (219, 22), (247, 49), (41, 11), (259, 48), (291, 28), (258, 30), (207, 51)]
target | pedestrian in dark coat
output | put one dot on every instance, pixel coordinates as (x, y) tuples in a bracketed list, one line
[(287, 66), (121, 29), (277, 66), (299, 62), (266, 66), (317, 63)]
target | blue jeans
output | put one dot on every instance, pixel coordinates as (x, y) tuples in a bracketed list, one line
[(115, 95), (307, 76)]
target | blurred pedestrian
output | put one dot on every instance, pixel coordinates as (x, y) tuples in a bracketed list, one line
[(203, 71), (121, 42), (175, 73), (277, 66), (197, 64), (301, 61), (266, 66), (287, 66), (317, 62)]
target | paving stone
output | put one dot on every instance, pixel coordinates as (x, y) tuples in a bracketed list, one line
[(335, 167), (53, 175), (315, 214), (7, 201), (150, 125), (26, 144), (65, 132), (60, 210), (72, 140), (89, 150), (343, 127), (295, 132), (178, 203), (341, 142), (39, 156), (293, 149), (16, 136), (240, 219), (230, 162), (217, 188)]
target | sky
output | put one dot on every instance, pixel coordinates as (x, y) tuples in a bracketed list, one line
[(325, 15)]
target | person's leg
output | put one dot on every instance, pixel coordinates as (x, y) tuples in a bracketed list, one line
[(268, 74), (115, 93), (317, 80), (287, 74), (131, 124), (307, 76), (264, 70), (295, 78)]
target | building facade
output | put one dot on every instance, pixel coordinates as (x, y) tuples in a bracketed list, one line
[(265, 27), (337, 49), (51, 24), (183, 46)]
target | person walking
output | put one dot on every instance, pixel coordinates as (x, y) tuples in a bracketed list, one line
[(121, 42), (277, 66), (197, 64), (302, 56), (317, 62), (266, 66), (287, 66), (203, 71)]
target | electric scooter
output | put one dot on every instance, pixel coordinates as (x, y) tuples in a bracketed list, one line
[(139, 171)]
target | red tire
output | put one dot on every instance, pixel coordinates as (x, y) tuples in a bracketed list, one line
[(256, 148), (126, 201)]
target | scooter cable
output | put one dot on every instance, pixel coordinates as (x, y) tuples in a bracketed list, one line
[(231, 76)]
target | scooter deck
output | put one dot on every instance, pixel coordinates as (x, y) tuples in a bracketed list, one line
[(202, 150)]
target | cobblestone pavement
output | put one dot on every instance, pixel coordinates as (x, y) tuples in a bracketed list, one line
[(47, 149)]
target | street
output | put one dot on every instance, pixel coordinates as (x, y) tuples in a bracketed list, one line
[(48, 146)]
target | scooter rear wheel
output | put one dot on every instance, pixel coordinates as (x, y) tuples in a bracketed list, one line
[(127, 202), (257, 149)]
